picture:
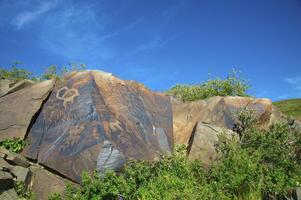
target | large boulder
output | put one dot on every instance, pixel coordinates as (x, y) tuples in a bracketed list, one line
[(203, 142), (219, 111), (17, 109), (93, 120)]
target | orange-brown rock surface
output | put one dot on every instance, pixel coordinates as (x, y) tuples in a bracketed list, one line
[(18, 108), (203, 142), (218, 111), (93, 120)]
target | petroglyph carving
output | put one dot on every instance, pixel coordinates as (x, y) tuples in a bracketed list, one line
[(67, 95), (115, 125)]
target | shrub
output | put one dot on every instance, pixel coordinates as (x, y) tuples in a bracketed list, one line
[(21, 191), (233, 85), (15, 145), (53, 71), (278, 149), (15, 73)]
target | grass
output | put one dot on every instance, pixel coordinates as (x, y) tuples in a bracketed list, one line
[(291, 107)]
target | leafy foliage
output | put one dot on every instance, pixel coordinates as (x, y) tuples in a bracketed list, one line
[(258, 164), (15, 73), (231, 86), (53, 71), (21, 191), (15, 145)]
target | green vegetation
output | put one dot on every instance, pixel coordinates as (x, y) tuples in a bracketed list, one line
[(259, 164), (15, 145), (15, 73), (291, 107), (56, 72), (233, 85), (21, 191), (53, 71)]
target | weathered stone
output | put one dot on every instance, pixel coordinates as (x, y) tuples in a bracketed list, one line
[(297, 193), (15, 86), (9, 194), (5, 84), (203, 142), (6, 180), (92, 120), (14, 158), (219, 111), (2, 154), (17, 109), (21, 173), (4, 166), (44, 184)]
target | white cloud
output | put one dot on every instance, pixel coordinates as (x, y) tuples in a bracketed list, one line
[(27, 17), (295, 81), (79, 32)]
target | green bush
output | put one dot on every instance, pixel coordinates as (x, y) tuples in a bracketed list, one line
[(15, 145), (21, 191), (56, 72), (53, 71), (233, 85), (278, 150), (15, 73)]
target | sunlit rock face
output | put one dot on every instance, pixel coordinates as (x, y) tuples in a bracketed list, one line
[(19, 106), (218, 111), (93, 120)]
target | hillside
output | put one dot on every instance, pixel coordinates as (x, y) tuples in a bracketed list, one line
[(291, 107)]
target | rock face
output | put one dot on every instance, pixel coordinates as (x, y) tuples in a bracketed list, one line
[(18, 108), (219, 111), (44, 184), (202, 144), (92, 120), (11, 171), (8, 86)]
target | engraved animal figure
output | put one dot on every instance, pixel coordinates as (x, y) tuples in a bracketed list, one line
[(67, 96)]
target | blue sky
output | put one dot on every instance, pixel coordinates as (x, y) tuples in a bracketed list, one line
[(160, 42)]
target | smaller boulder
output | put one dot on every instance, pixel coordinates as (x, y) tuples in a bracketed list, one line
[(21, 173), (6, 180), (18, 109), (14, 158), (203, 142), (297, 193), (9, 194), (10, 86), (4, 166), (44, 183)]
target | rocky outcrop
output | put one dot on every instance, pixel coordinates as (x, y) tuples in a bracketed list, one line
[(11, 171), (92, 120), (41, 182), (218, 111), (297, 193), (9, 86), (17, 109), (203, 142), (44, 183)]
